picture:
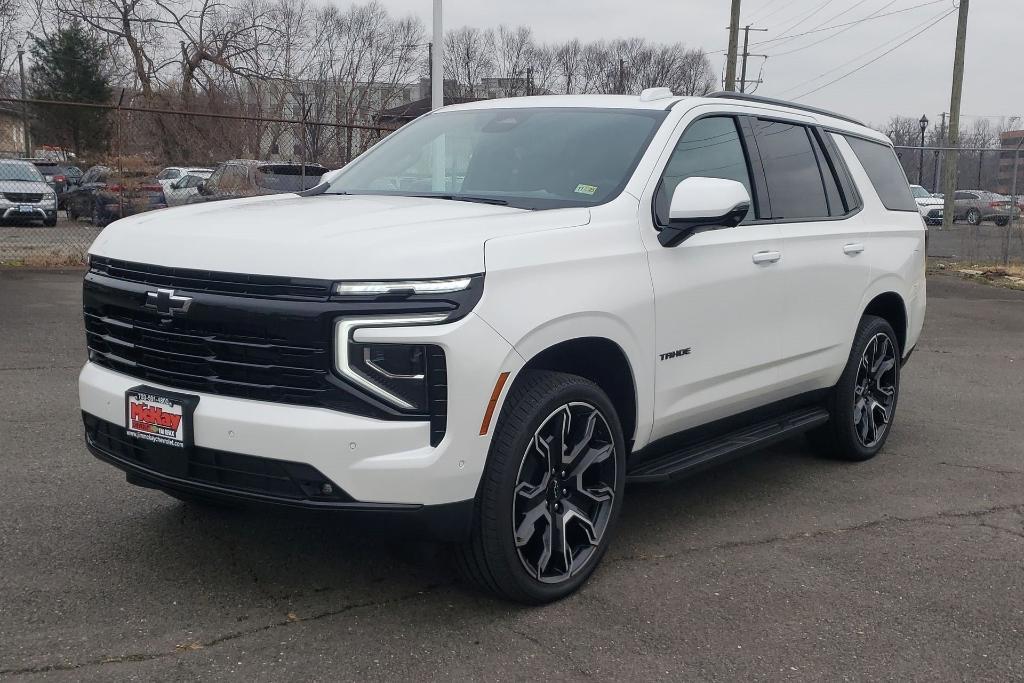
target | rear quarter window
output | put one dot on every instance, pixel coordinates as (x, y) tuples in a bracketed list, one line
[(885, 172)]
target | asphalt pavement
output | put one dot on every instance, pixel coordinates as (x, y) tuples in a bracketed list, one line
[(777, 566)]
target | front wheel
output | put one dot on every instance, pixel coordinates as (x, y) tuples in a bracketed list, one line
[(974, 217), (551, 490), (863, 403)]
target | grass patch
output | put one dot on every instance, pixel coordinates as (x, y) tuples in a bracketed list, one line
[(1009, 276)]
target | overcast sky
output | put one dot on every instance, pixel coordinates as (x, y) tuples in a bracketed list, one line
[(912, 80)]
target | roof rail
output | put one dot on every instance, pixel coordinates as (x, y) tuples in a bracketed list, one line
[(724, 94)]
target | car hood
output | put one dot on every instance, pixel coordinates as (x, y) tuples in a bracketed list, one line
[(325, 236)]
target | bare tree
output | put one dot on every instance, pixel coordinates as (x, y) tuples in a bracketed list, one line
[(513, 50), (468, 58)]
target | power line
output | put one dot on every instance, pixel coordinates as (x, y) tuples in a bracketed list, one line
[(840, 32), (777, 10), (866, 53), (807, 16), (872, 61), (869, 17), (789, 38)]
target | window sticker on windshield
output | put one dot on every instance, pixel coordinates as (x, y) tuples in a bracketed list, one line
[(586, 189)]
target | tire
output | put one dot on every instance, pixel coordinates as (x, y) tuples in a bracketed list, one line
[(1002, 222), (974, 217), (50, 222), (97, 220), (847, 436), (505, 554)]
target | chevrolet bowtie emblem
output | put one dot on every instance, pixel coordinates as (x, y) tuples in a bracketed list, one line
[(167, 302)]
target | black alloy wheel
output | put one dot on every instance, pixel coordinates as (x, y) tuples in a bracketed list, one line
[(551, 490), (565, 492), (875, 390)]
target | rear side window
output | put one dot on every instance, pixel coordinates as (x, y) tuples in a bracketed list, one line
[(885, 172), (795, 187)]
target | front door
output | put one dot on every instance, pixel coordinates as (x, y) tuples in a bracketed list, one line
[(717, 294)]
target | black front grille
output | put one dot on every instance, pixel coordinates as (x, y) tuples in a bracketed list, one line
[(279, 479), (265, 349), (213, 282), (23, 197), (935, 213)]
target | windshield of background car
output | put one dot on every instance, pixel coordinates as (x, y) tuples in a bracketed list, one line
[(288, 178), (531, 158), (919, 192), (20, 172)]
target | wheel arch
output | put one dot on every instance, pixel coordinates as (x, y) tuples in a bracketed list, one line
[(602, 361), (891, 307)]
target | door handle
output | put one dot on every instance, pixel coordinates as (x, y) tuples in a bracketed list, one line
[(853, 248), (767, 256)]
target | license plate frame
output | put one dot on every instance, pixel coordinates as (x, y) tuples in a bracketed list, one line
[(161, 417)]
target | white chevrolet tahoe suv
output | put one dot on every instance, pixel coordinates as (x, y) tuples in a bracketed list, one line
[(500, 315)]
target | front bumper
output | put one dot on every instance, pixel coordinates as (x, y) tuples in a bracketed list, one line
[(374, 461), (226, 477), (38, 213)]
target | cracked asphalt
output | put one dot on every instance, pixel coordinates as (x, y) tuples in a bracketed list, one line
[(777, 566)]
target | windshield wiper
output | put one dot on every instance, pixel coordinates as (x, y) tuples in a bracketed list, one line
[(465, 198)]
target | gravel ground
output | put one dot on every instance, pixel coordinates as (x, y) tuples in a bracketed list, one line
[(776, 566)]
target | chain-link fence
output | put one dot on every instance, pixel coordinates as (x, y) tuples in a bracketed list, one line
[(131, 159), (985, 229)]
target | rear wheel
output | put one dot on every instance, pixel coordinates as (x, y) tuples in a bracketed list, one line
[(1002, 221), (551, 490), (863, 403)]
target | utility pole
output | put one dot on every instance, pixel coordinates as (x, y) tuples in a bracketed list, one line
[(622, 76), (24, 104), (734, 39), (746, 53), (436, 77), (949, 175), (938, 154), (529, 80)]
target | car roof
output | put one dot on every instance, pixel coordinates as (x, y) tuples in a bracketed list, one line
[(725, 101)]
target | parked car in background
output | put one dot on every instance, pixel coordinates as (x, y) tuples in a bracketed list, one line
[(250, 178), (181, 191), (173, 173), (105, 195), (59, 176), (25, 195), (928, 205), (975, 206)]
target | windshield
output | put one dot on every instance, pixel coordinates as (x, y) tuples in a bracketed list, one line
[(20, 172), (532, 158), (919, 192)]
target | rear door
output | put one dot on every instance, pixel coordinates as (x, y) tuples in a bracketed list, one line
[(717, 295), (824, 267)]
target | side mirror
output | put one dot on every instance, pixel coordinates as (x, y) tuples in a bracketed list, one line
[(201, 187), (700, 204)]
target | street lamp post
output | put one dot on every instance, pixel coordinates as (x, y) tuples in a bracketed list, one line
[(920, 161)]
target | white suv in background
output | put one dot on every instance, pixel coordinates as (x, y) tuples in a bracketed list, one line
[(929, 206), (503, 313)]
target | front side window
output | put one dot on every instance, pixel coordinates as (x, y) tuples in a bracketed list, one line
[(709, 148), (791, 170), (168, 174), (531, 158)]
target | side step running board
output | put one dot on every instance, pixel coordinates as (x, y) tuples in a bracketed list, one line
[(751, 438)]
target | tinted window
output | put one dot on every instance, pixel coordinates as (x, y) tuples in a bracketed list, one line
[(288, 178), (709, 148), (795, 187), (885, 172)]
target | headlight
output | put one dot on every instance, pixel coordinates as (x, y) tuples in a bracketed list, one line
[(49, 197), (402, 288), (399, 373)]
